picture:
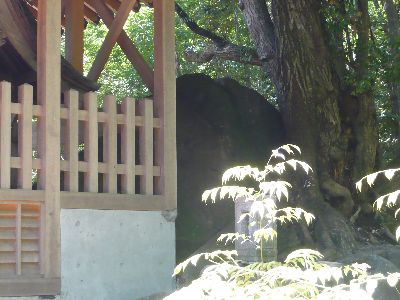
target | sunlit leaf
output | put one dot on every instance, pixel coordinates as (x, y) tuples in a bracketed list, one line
[(371, 178), (390, 173), (359, 185), (393, 279)]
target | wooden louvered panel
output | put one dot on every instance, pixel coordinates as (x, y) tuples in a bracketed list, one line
[(29, 234), (30, 257), (29, 269), (19, 239), (29, 245), (7, 257)]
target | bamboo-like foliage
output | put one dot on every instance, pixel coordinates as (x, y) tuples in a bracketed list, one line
[(387, 200), (302, 275)]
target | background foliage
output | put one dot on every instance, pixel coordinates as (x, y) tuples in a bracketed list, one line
[(224, 18)]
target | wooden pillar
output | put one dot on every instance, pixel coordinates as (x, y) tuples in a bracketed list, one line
[(49, 91), (165, 95), (74, 27)]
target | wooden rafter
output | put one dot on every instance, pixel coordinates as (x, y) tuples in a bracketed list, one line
[(111, 38), (74, 26), (90, 14), (127, 46)]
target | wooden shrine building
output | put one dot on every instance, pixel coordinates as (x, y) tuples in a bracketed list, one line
[(87, 195)]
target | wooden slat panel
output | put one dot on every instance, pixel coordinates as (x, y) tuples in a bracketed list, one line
[(146, 146), (5, 134), (18, 239), (30, 246), (7, 222), (7, 258), (7, 246), (72, 140), (91, 140), (29, 286), (25, 94), (9, 234), (112, 201), (29, 234), (30, 269), (30, 257), (20, 195), (110, 143), (128, 146)]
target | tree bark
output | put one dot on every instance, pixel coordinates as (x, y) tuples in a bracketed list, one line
[(335, 128), (393, 34)]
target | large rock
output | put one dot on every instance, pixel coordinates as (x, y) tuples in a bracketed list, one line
[(220, 124)]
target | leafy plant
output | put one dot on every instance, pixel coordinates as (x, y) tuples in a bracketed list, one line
[(387, 200), (262, 195), (301, 276)]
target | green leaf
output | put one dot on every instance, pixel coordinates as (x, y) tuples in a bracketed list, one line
[(390, 173), (359, 185), (371, 178), (393, 279), (264, 234)]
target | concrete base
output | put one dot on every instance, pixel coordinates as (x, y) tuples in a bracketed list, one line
[(115, 254)]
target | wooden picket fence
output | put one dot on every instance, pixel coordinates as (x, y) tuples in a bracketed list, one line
[(108, 140), (108, 160)]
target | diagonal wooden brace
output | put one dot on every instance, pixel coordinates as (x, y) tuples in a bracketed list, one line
[(111, 38), (127, 46)]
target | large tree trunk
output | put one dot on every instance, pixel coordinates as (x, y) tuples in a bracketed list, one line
[(393, 34), (336, 131)]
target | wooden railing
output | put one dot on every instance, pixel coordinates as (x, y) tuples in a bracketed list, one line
[(108, 160), (103, 151)]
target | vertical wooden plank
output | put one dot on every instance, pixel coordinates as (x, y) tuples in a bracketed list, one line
[(42, 239), (91, 139), (25, 94), (146, 146), (5, 134), (74, 27), (18, 237), (128, 145), (165, 95), (49, 90), (110, 143), (71, 99)]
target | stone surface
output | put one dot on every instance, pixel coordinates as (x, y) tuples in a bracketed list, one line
[(116, 254), (247, 250), (124, 255), (220, 124)]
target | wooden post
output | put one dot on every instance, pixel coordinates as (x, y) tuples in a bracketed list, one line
[(74, 27), (72, 140), (146, 146), (91, 140), (49, 91), (128, 146), (5, 134), (165, 95), (25, 95), (110, 144)]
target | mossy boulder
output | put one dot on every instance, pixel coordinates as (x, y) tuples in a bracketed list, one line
[(220, 124)]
